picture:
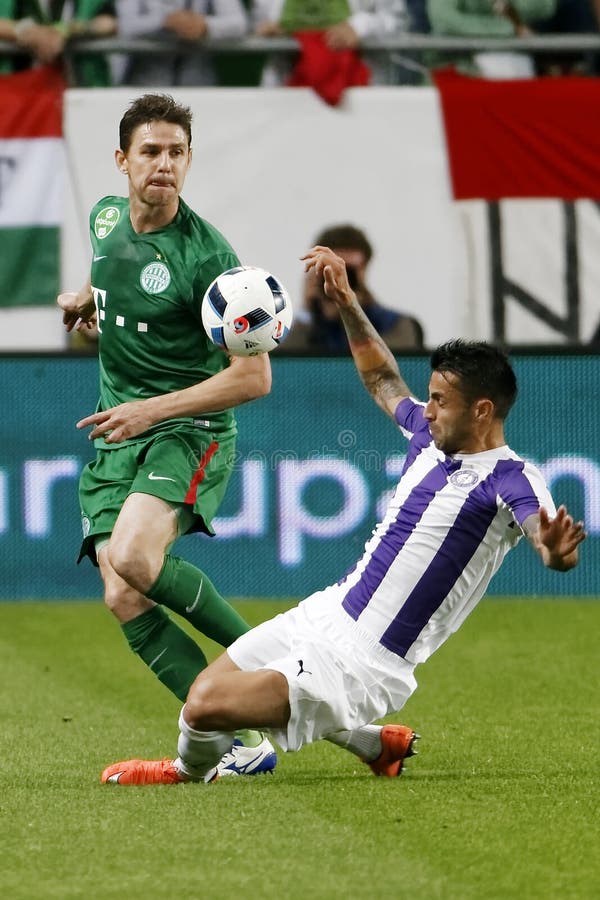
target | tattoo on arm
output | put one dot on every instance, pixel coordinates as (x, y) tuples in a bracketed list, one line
[(374, 360), (385, 384)]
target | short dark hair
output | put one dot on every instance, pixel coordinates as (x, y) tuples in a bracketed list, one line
[(483, 370), (153, 108), (345, 237)]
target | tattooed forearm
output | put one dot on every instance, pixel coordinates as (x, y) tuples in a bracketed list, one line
[(368, 348), (384, 384), (375, 362), (373, 359)]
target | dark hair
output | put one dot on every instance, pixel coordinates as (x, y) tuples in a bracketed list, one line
[(484, 371), (153, 108), (345, 237)]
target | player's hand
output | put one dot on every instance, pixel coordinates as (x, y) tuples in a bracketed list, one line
[(559, 538), (78, 312), (325, 264), (119, 423)]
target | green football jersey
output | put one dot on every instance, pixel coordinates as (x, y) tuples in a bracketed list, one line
[(148, 290)]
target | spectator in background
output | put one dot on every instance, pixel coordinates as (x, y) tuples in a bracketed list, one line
[(190, 22), (570, 17), (43, 31), (418, 17), (491, 18), (345, 24), (322, 330), (413, 67)]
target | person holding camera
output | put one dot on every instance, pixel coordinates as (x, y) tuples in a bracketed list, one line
[(321, 330)]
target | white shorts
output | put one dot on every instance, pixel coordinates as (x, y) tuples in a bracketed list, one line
[(339, 676)]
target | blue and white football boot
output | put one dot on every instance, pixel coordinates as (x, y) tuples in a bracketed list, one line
[(242, 760)]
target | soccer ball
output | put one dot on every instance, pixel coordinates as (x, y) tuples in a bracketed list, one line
[(246, 311)]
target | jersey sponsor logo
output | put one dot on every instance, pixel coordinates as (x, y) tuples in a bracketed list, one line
[(106, 220), (97, 258), (155, 278), (464, 478), (85, 526), (154, 477)]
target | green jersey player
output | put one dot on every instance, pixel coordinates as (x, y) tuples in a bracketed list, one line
[(164, 429)]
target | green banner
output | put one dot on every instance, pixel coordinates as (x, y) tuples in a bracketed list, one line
[(316, 463)]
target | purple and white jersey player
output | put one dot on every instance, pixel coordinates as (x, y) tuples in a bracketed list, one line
[(450, 522)]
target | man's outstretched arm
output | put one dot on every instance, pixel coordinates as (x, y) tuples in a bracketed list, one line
[(374, 361)]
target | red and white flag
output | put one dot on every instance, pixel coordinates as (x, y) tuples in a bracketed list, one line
[(32, 173), (524, 162), (537, 137)]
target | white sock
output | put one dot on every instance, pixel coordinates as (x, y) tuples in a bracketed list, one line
[(200, 751), (364, 742)]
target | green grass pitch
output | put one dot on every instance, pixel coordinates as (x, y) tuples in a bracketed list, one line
[(501, 802)]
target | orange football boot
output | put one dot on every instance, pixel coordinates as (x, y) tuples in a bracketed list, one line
[(397, 743), (142, 771)]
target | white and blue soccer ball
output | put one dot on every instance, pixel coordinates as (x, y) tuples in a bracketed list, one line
[(246, 311)]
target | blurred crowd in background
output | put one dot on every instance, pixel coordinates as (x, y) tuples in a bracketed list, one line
[(342, 33)]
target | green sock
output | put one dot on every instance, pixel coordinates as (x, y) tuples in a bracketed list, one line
[(166, 649), (186, 590), (250, 738)]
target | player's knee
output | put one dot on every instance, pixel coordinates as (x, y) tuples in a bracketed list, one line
[(120, 557), (130, 564), (205, 708), (113, 599), (116, 599)]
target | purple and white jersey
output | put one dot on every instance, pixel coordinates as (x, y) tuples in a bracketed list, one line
[(450, 523)]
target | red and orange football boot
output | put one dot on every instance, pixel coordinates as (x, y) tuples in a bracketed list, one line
[(142, 771), (397, 743)]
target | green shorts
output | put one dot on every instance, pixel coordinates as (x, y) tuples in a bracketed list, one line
[(188, 469)]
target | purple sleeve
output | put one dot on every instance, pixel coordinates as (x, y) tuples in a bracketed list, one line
[(524, 491), (409, 416)]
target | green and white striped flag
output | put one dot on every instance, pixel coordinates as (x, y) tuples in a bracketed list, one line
[(32, 174)]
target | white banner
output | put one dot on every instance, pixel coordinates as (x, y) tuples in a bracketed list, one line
[(273, 167)]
